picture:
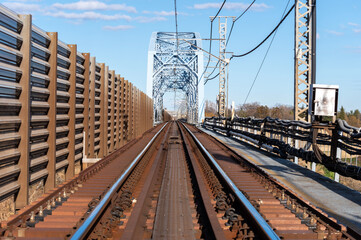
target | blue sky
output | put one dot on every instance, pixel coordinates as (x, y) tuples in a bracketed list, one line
[(118, 33)]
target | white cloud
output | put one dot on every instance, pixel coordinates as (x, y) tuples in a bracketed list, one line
[(318, 36), (88, 15), (94, 5), (99, 16), (334, 32), (119, 27), (164, 13), (356, 28), (358, 49), (354, 49), (22, 7), (143, 19), (206, 5), (25, 0), (82, 6), (353, 24), (232, 6)]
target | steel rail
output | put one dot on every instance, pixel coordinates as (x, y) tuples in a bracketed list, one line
[(261, 222), (216, 228), (89, 222)]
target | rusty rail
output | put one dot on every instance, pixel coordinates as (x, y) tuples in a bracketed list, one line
[(261, 223), (272, 199), (84, 229), (24, 214)]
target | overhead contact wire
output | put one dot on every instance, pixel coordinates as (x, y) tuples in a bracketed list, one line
[(228, 38), (210, 41), (264, 58), (176, 23), (242, 55)]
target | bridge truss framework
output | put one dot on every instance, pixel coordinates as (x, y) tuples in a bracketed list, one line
[(175, 64)]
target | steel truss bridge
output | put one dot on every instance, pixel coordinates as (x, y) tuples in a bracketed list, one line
[(80, 157), (175, 63)]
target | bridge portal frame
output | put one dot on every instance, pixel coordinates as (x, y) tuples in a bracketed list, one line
[(174, 63)]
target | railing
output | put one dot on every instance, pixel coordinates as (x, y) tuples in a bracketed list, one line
[(337, 145), (51, 98)]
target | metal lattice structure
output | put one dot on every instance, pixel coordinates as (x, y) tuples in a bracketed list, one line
[(171, 67), (222, 67), (305, 47)]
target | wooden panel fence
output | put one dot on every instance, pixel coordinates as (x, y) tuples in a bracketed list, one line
[(59, 109)]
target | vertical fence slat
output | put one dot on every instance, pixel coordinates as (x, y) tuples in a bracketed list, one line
[(70, 171), (51, 154), (127, 111), (103, 110), (24, 114), (86, 105), (137, 114), (131, 129), (122, 110), (106, 111), (92, 108), (118, 123), (112, 88)]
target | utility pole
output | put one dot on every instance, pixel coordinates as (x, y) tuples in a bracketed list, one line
[(222, 97), (305, 61), (305, 57)]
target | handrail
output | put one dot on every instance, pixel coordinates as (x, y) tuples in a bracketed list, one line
[(267, 230), (337, 146), (89, 222)]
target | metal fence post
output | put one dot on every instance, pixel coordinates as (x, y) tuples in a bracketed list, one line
[(92, 106), (71, 113), (297, 143), (103, 113), (51, 154), (122, 110), (22, 198), (86, 94), (117, 110), (338, 154), (110, 122)]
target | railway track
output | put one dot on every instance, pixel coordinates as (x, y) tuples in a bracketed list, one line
[(288, 214), (176, 182)]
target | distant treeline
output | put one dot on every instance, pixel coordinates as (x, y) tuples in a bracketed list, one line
[(352, 117), (280, 111)]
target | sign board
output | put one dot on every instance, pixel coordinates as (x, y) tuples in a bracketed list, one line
[(324, 100)]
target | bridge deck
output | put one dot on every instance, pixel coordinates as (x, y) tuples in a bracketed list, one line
[(337, 200)]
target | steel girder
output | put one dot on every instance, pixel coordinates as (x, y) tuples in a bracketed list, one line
[(172, 68)]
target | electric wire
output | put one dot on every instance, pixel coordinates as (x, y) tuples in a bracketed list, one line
[(228, 38), (219, 10), (264, 58), (245, 11), (177, 39), (212, 77), (210, 51), (230, 31), (210, 42), (176, 23), (261, 43)]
